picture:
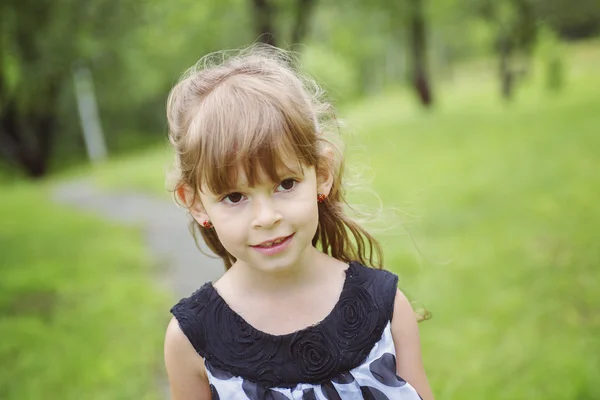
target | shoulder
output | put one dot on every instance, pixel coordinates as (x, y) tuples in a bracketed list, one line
[(405, 335), (177, 345), (403, 314), (185, 368), (189, 318), (383, 285), (404, 320), (405, 329), (372, 277), (179, 354)]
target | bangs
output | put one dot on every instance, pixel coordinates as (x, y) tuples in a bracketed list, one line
[(246, 126)]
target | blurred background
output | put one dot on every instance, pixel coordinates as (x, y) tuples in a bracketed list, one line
[(477, 122)]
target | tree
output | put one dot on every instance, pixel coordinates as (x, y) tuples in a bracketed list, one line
[(400, 27), (40, 42), (515, 25), (411, 16), (572, 20), (304, 10), (418, 51), (264, 15), (267, 11)]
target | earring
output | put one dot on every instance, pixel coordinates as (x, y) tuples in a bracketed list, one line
[(321, 197), (207, 224)]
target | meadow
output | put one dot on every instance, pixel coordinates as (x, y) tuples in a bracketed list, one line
[(490, 220), (501, 202), (79, 305)]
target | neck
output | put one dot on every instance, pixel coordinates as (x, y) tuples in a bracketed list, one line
[(304, 271)]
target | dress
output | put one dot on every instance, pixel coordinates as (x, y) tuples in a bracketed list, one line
[(348, 355)]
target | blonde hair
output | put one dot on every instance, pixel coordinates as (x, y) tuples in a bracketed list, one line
[(253, 109)]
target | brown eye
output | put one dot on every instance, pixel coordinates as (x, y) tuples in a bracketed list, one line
[(287, 184), (233, 198)]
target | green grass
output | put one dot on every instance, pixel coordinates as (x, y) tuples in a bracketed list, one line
[(144, 171), (504, 209), (79, 310), (502, 202)]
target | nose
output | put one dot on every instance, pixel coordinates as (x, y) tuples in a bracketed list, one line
[(266, 213)]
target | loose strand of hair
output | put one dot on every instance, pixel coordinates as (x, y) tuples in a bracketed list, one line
[(332, 236)]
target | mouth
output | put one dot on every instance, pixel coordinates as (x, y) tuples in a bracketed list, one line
[(273, 243)]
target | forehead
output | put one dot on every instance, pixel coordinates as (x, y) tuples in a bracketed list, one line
[(252, 170)]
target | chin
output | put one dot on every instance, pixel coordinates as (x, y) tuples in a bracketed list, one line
[(277, 263), (280, 265)]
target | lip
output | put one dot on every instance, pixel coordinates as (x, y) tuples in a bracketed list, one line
[(278, 248)]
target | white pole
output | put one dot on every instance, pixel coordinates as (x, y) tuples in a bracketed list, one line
[(88, 113)]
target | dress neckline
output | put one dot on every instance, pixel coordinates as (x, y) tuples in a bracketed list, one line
[(348, 274)]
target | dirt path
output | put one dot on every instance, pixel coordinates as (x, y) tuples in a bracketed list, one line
[(164, 226)]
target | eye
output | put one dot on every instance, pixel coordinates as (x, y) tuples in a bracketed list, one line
[(233, 198), (287, 184)]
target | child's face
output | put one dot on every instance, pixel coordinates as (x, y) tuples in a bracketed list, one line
[(248, 218)]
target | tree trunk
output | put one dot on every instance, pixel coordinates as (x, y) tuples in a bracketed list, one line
[(418, 53), (303, 12), (27, 134), (264, 12), (506, 73), (26, 140)]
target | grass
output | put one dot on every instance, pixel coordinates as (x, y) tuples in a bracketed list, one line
[(78, 307), (507, 195), (144, 171)]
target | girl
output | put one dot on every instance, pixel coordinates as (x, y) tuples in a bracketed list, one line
[(297, 314)]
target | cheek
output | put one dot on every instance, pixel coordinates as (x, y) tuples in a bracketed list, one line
[(227, 225), (229, 231), (233, 240), (303, 212)]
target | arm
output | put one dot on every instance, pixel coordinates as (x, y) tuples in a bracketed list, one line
[(185, 367), (408, 346)]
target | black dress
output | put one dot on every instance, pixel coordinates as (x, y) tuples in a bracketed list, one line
[(348, 355)]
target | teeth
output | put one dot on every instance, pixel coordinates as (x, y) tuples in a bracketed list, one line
[(270, 244)]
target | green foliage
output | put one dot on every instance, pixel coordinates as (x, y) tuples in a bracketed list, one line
[(369, 41), (571, 20), (42, 39), (332, 71), (136, 51), (79, 313)]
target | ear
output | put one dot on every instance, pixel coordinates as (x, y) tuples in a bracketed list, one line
[(185, 195), (325, 171)]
